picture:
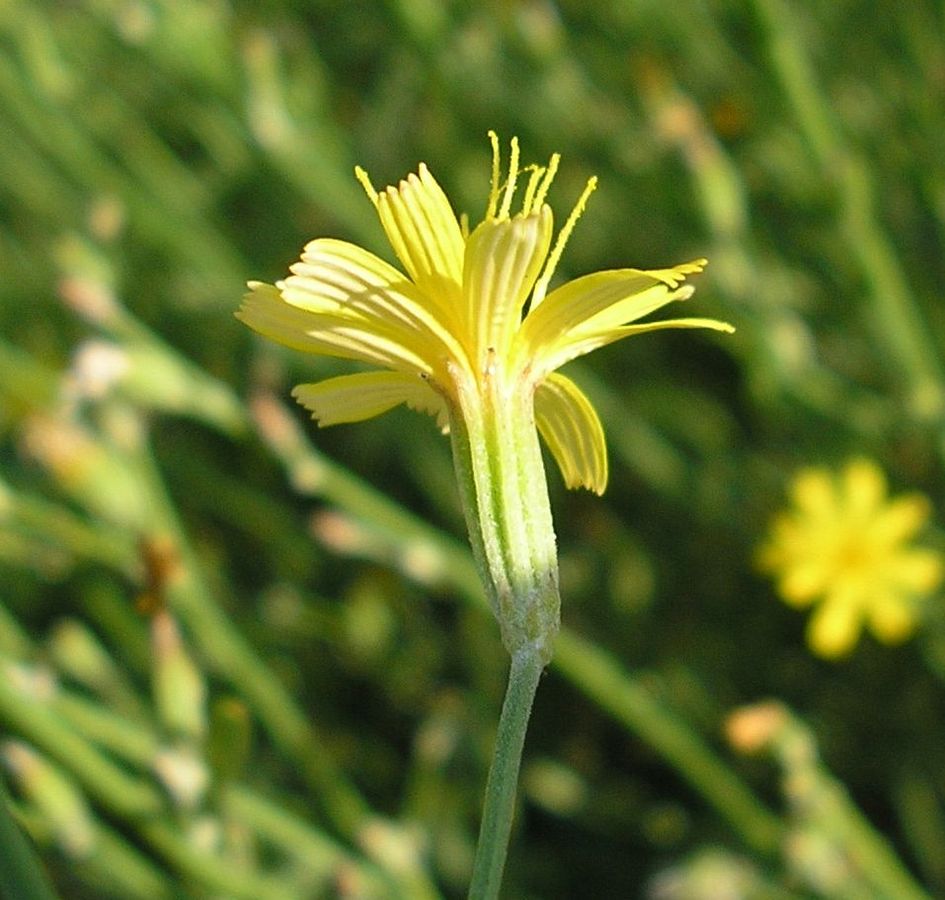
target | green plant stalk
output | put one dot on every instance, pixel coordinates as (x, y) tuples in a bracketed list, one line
[(164, 211), (121, 794), (821, 802), (125, 866), (217, 874), (137, 744), (897, 317), (602, 678), (923, 822), (14, 641), (21, 873), (233, 658), (499, 806), (118, 861), (132, 799), (26, 383), (504, 496), (723, 202), (33, 514), (131, 740), (321, 856)]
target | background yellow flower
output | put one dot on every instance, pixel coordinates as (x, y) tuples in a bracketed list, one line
[(845, 546)]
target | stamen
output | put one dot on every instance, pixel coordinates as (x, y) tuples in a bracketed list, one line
[(365, 180), (541, 286), (494, 189), (510, 184), (528, 201), (550, 173)]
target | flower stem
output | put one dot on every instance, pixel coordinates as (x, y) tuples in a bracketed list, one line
[(21, 873), (504, 495), (499, 806)]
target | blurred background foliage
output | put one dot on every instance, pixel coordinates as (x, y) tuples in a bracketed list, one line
[(245, 658)]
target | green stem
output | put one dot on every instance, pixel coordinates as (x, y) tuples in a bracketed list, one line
[(233, 658), (900, 321), (21, 873), (821, 806), (637, 705), (499, 805), (502, 485), (122, 794)]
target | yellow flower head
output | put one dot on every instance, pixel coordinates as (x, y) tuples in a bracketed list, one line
[(846, 545), (470, 312)]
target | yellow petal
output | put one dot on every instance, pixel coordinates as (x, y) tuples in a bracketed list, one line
[(503, 260), (353, 398), (343, 272), (579, 343), (814, 493), (569, 424), (800, 584), (917, 570), (424, 233), (864, 487), (337, 278), (604, 300), (892, 617), (264, 310), (834, 627), (898, 520), (343, 335)]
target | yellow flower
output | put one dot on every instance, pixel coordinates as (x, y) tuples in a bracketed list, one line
[(471, 333), (846, 545), (473, 313)]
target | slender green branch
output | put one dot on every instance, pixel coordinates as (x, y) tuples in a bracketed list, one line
[(218, 874), (137, 744), (319, 855), (117, 791), (21, 872), (600, 676), (232, 657), (898, 318), (822, 810), (499, 806)]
